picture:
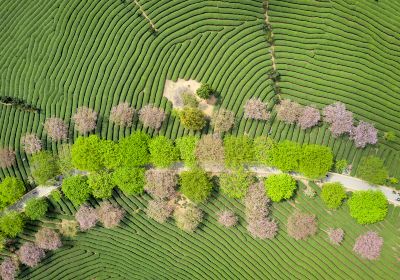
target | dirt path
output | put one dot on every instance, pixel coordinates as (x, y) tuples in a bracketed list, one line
[(145, 15)]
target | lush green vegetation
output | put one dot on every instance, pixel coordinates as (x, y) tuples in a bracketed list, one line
[(236, 183), (186, 146), (279, 187), (368, 207), (195, 185), (192, 118), (76, 189), (11, 224), (315, 161), (135, 150), (36, 208), (332, 194), (11, 189), (163, 153), (238, 150), (101, 184), (43, 167), (372, 170), (129, 180), (204, 91)]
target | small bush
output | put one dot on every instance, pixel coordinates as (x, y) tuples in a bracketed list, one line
[(188, 219), (122, 114), (187, 146), (109, 215), (101, 184), (280, 186), (309, 192), (86, 217), (333, 194), (256, 109), (159, 210), (390, 136), (189, 100), (129, 180), (76, 189), (31, 143), (9, 269), (135, 149), (238, 150), (227, 218), (235, 184), (163, 153), (11, 224), (56, 129), (192, 118), (48, 239), (151, 116), (85, 119), (368, 207), (36, 208), (68, 228), (56, 195), (301, 226), (335, 235), (222, 120), (11, 190), (204, 91), (210, 149), (369, 245), (341, 166), (161, 183), (44, 167), (372, 170), (195, 185), (30, 254)]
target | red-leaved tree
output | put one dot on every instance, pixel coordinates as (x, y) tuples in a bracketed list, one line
[(7, 157), (122, 114), (339, 118), (109, 215), (301, 225), (256, 109), (48, 239), (86, 217), (85, 119), (151, 116), (369, 245), (309, 117), (31, 143), (30, 254), (56, 129), (364, 133)]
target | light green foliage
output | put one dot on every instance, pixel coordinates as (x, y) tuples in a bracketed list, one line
[(76, 189), (368, 207), (129, 180), (195, 185), (56, 195), (187, 146), (192, 118), (372, 170), (135, 150), (333, 194), (36, 208), (204, 91), (87, 153), (390, 136), (111, 156), (163, 153), (238, 150), (11, 224), (236, 183), (11, 189), (44, 167), (315, 161), (101, 184), (189, 100), (280, 186), (286, 156), (341, 165), (263, 149), (65, 159)]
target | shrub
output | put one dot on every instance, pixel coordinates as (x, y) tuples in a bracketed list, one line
[(109, 215), (309, 117), (161, 183), (264, 149), (65, 159), (189, 100), (86, 217), (187, 146), (11, 190), (31, 143), (30, 254), (87, 153), (188, 218), (9, 269), (339, 118), (286, 156), (301, 225), (159, 210), (363, 134), (263, 228), (390, 136), (256, 109), (235, 184), (204, 91), (288, 111), (368, 207), (129, 180), (135, 150), (210, 149), (85, 119), (56, 195), (163, 153), (48, 239), (68, 228), (238, 150), (369, 245), (122, 114), (101, 184), (335, 235), (280, 186), (223, 120), (7, 157), (11, 224), (76, 189), (309, 192), (192, 118), (36, 208), (227, 218), (195, 185), (372, 170), (341, 166), (256, 203), (44, 167), (151, 116), (333, 194), (315, 161), (56, 129)]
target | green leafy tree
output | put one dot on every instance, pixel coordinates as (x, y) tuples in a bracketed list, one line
[(333, 194), (56, 195), (11, 224), (130, 180), (315, 161), (189, 100), (76, 189), (101, 184), (264, 149), (135, 149), (280, 186), (286, 156), (368, 207), (192, 118), (238, 150), (11, 189), (236, 183), (43, 167), (341, 166), (36, 208), (195, 185), (65, 159), (163, 153), (372, 170), (204, 91), (87, 153), (187, 149), (111, 155)]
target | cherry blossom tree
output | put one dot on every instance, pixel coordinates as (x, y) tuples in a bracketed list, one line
[(161, 183), (223, 120), (335, 235), (48, 239), (301, 225), (159, 210), (7, 157), (309, 117), (151, 116), (256, 109), (31, 143), (210, 149), (86, 217), (364, 133), (85, 119), (56, 129), (227, 218), (9, 269), (289, 111), (30, 254), (109, 215), (339, 118), (369, 245), (122, 114)]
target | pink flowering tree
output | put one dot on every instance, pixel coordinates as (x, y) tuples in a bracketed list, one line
[(256, 109), (368, 245), (161, 183), (109, 215), (48, 239), (227, 218), (309, 117), (122, 114), (56, 129), (30, 254), (289, 111), (31, 143), (339, 118), (151, 116), (9, 269), (85, 119), (364, 133), (86, 217), (7, 157), (301, 225), (335, 235), (159, 210)]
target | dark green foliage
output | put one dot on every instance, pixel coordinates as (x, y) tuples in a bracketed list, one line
[(163, 153), (286, 156), (192, 118), (18, 103), (315, 161), (204, 91), (333, 194), (129, 180), (11, 189), (235, 183), (134, 150), (101, 184), (263, 150), (76, 189), (368, 207), (238, 150), (87, 153), (195, 185), (372, 170), (11, 224), (187, 147), (280, 186), (44, 167), (36, 208)]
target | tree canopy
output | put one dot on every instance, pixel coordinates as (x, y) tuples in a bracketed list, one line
[(286, 156), (36, 208), (315, 161), (187, 149), (372, 170), (280, 186), (44, 167), (129, 180), (333, 194), (238, 150), (135, 149), (101, 184), (236, 183), (76, 189), (11, 189), (163, 153), (368, 207), (195, 185)]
